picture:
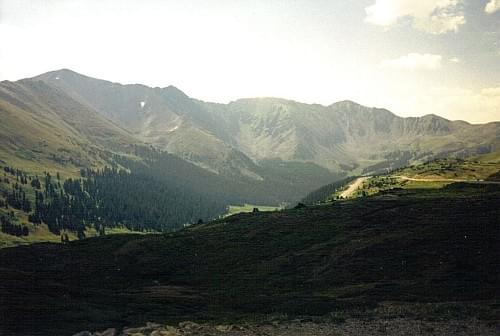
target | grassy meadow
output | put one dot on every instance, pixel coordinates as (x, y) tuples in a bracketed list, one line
[(236, 209)]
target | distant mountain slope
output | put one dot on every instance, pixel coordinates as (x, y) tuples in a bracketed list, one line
[(45, 125), (281, 149), (165, 117), (44, 128), (233, 138), (346, 135)]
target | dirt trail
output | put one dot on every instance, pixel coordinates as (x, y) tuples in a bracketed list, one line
[(444, 180), (353, 187)]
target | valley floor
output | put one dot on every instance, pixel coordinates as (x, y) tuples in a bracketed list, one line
[(351, 327)]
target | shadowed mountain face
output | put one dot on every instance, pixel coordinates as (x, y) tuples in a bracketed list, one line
[(45, 128), (232, 138)]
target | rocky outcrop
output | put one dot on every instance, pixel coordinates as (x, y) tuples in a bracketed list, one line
[(350, 327)]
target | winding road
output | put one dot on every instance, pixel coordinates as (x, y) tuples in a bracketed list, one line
[(353, 187), (445, 180), (359, 181)]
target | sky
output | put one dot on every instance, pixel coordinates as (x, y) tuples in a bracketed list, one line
[(413, 57)]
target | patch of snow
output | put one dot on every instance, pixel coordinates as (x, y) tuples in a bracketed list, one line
[(173, 128), (142, 104), (57, 77)]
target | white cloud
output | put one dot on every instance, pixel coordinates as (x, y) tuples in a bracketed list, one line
[(454, 102), (492, 6), (474, 106), (414, 61), (491, 92), (431, 16)]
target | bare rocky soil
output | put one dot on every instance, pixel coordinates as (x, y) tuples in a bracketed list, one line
[(398, 326)]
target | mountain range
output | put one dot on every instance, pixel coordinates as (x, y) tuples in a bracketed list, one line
[(83, 157), (63, 117)]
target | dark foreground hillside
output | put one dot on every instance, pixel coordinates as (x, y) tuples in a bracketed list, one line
[(408, 247)]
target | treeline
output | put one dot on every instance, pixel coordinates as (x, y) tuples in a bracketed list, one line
[(16, 198), (282, 182), (394, 160), (20, 176), (116, 198), (110, 197), (139, 201), (9, 227), (181, 174), (322, 194), (59, 209)]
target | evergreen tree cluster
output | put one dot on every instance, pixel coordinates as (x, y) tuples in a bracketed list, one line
[(136, 198), (11, 228), (16, 198), (114, 198), (141, 201), (181, 174), (280, 181), (21, 176), (58, 209)]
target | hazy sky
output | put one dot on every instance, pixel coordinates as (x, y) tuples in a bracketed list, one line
[(413, 57)]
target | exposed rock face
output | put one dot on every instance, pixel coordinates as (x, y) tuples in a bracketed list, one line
[(235, 135), (351, 327)]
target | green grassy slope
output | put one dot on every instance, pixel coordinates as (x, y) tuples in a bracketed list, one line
[(430, 175), (407, 246), (44, 129), (236, 209), (37, 232), (436, 174), (474, 168)]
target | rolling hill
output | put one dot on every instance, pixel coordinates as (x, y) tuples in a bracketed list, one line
[(437, 173), (433, 249)]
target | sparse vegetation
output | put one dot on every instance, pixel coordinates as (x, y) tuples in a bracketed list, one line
[(430, 175), (414, 246), (236, 209)]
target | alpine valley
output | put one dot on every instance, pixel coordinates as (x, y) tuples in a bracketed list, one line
[(127, 202), (266, 151)]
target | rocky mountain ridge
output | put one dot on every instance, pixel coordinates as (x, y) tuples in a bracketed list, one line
[(233, 138)]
